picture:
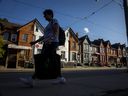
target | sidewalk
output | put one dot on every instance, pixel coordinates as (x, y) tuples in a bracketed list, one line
[(2, 69)]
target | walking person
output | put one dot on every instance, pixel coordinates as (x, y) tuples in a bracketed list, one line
[(51, 43)]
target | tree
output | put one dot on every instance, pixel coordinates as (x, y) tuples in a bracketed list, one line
[(1, 47), (4, 19)]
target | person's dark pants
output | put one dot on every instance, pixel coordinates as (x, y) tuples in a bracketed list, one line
[(49, 62), (58, 63)]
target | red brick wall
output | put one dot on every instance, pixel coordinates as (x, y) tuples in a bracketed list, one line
[(29, 30)]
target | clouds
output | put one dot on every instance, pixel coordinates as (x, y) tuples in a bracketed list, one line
[(86, 30)]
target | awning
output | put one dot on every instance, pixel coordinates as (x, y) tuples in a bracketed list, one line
[(18, 47)]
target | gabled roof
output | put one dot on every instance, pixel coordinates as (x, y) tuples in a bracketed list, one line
[(123, 46), (81, 39), (9, 25), (73, 34), (35, 21), (97, 42), (116, 45), (107, 42)]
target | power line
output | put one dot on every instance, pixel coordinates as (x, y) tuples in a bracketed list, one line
[(93, 14), (78, 18), (86, 17), (119, 3), (67, 15), (31, 5), (27, 4)]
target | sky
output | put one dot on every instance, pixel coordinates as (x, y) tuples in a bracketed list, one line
[(102, 19)]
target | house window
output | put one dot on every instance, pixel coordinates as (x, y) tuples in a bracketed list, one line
[(86, 56), (25, 37), (67, 34), (14, 37), (37, 29), (22, 54), (108, 50), (74, 45), (74, 56), (86, 47), (62, 54), (102, 50), (112, 52), (119, 52), (6, 36), (95, 49)]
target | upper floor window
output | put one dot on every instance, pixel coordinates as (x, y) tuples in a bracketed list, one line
[(112, 51), (14, 37), (119, 52), (37, 29), (25, 37), (93, 49), (108, 50), (102, 50), (6, 36), (96, 49), (74, 44), (86, 47), (86, 56), (67, 34)]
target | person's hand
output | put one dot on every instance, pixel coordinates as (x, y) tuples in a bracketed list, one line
[(32, 43)]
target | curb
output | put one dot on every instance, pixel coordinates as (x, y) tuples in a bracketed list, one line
[(63, 69)]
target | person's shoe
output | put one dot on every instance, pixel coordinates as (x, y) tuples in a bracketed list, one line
[(59, 80), (27, 81)]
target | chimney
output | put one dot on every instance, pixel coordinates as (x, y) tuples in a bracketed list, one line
[(77, 34)]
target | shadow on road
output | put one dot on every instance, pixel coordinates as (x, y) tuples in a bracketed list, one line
[(117, 92)]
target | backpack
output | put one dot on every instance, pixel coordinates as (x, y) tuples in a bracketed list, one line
[(61, 36)]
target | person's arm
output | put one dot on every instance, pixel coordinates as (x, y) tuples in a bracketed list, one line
[(38, 40), (55, 27)]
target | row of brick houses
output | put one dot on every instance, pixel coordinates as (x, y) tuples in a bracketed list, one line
[(76, 50), (101, 53)]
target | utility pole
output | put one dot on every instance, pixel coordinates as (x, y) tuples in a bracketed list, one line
[(126, 16), (125, 4)]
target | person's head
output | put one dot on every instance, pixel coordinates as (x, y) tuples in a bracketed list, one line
[(48, 14)]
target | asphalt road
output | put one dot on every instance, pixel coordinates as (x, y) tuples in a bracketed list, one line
[(113, 82)]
